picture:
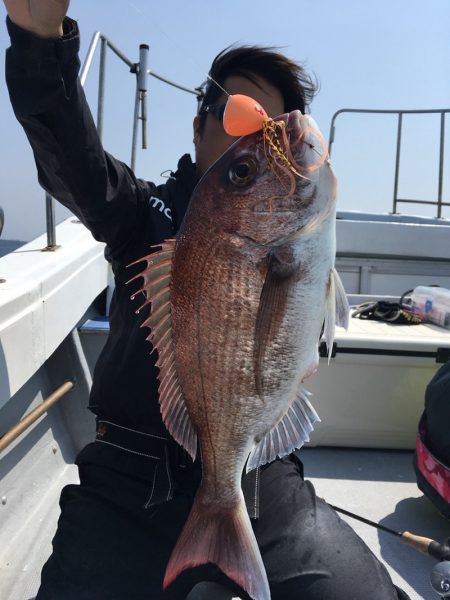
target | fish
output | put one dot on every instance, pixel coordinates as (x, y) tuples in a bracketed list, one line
[(239, 299)]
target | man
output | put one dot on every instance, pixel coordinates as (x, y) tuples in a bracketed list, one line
[(118, 527)]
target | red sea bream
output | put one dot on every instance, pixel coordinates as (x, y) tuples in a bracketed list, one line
[(238, 302)]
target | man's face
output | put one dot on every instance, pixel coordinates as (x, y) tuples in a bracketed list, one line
[(212, 141)]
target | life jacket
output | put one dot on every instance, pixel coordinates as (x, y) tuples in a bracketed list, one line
[(432, 454)]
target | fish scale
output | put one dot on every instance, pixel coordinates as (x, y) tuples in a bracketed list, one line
[(217, 362)]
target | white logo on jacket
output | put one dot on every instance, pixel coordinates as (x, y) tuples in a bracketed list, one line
[(159, 204)]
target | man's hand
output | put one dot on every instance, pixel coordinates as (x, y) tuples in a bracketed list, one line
[(41, 17)]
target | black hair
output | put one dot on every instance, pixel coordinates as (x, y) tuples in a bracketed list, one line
[(290, 78)]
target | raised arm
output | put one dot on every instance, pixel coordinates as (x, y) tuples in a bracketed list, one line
[(43, 18), (42, 75)]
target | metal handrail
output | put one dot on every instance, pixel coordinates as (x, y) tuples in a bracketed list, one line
[(140, 70), (442, 111), (31, 417)]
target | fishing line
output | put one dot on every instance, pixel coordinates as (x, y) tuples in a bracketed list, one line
[(183, 51), (248, 109), (218, 85)]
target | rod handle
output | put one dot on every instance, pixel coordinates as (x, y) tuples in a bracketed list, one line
[(417, 541), (427, 545)]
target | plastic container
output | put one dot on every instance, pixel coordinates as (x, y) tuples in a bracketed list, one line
[(432, 304)]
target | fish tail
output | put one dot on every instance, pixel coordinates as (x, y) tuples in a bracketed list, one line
[(223, 536)]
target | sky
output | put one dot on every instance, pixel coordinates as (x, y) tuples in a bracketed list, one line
[(366, 54)]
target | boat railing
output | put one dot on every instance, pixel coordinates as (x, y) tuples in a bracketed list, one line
[(439, 203), (26, 422), (141, 72)]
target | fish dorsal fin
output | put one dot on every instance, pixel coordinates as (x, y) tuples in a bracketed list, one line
[(290, 433), (336, 310), (156, 287)]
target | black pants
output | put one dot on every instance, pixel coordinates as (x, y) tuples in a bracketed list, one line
[(109, 546)]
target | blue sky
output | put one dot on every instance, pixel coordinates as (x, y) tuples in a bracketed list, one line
[(368, 54)]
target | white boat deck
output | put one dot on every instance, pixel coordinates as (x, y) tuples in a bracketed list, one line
[(379, 485)]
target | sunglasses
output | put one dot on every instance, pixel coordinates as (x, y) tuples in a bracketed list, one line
[(216, 110)]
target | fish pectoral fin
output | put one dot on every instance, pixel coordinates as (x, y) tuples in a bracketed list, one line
[(289, 434), (157, 276), (342, 307), (336, 309), (282, 268)]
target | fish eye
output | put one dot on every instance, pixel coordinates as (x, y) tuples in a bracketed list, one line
[(242, 171)]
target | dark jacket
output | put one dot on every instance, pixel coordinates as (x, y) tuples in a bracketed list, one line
[(126, 213)]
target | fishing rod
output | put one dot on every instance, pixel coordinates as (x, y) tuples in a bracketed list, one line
[(440, 575), (423, 544)]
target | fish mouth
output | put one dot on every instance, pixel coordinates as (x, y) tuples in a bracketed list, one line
[(304, 145), (307, 142), (303, 151)]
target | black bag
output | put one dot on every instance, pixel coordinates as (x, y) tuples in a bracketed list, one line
[(400, 313), (432, 455)]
